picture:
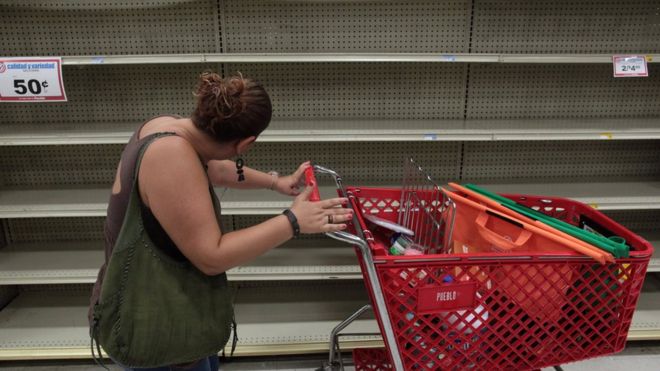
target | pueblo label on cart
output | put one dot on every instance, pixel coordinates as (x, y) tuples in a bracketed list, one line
[(447, 297), (31, 80)]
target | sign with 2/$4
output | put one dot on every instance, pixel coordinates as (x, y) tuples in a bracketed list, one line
[(630, 66), (31, 80)]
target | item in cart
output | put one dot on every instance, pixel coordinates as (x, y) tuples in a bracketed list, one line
[(384, 223), (472, 273), (413, 250), (482, 230), (463, 329), (616, 249), (594, 227), (578, 245), (399, 244), (475, 319), (409, 246)]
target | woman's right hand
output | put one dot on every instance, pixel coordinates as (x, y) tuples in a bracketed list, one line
[(320, 216)]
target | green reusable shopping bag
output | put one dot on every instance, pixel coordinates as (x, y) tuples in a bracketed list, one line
[(154, 310)]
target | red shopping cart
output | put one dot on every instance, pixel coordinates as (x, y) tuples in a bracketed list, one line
[(446, 310)]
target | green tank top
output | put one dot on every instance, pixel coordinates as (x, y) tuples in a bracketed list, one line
[(154, 310)]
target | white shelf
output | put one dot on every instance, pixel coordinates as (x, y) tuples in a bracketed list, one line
[(301, 260), (646, 320), (280, 130), (50, 263), (80, 202), (341, 57), (258, 202), (602, 196), (271, 320), (280, 58), (86, 202), (361, 130), (77, 262), (567, 58), (654, 238), (31, 134), (624, 128)]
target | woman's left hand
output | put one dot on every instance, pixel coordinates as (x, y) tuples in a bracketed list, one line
[(291, 184)]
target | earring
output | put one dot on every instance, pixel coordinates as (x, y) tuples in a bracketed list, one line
[(239, 169)]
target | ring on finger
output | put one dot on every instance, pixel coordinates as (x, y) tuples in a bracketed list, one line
[(330, 221)]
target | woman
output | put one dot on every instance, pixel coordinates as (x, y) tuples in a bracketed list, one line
[(173, 161)]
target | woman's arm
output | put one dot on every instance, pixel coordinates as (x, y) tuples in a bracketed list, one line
[(174, 186), (223, 174)]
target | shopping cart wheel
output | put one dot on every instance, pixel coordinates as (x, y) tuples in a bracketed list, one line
[(327, 367)]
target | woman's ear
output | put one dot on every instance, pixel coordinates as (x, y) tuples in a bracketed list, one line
[(244, 145)]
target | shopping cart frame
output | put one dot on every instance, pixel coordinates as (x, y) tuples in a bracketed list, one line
[(364, 240), (374, 285)]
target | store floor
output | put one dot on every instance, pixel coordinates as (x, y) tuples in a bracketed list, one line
[(638, 356)]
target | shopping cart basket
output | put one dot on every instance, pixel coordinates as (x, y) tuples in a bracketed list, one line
[(448, 311)]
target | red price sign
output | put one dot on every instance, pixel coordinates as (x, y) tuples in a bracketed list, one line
[(31, 80)]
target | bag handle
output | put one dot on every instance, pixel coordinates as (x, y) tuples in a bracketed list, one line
[(498, 240), (143, 148)]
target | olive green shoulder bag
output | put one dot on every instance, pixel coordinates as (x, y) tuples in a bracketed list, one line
[(154, 310)]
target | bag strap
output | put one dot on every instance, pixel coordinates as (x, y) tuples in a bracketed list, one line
[(143, 149), (97, 356)]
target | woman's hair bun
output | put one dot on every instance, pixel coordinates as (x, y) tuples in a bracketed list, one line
[(226, 92), (231, 108)]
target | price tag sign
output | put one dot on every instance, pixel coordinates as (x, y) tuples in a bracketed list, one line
[(31, 80), (630, 66)]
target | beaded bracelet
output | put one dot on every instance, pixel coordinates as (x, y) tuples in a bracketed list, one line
[(275, 176)]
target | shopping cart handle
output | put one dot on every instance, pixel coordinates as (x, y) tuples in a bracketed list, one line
[(339, 235), (323, 170), (310, 181), (348, 238)]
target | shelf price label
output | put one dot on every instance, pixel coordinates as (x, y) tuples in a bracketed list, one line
[(31, 80), (630, 66)]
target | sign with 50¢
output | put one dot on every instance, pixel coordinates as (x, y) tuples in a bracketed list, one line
[(31, 80)]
